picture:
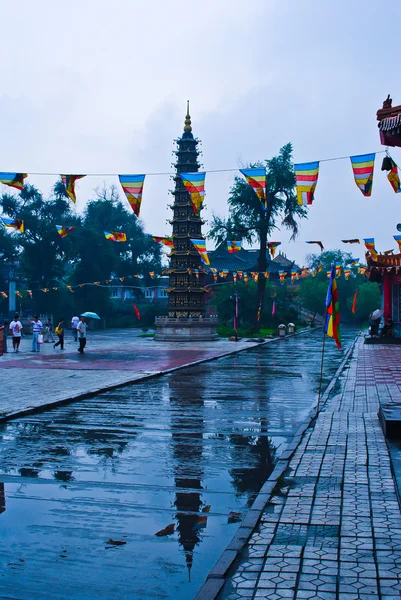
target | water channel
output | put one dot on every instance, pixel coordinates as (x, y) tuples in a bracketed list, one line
[(85, 487)]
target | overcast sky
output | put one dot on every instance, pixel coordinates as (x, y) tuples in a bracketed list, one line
[(93, 86)]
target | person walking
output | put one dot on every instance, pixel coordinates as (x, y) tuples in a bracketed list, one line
[(16, 332), (48, 337), (74, 324), (6, 326), (59, 331), (81, 331), (37, 327)]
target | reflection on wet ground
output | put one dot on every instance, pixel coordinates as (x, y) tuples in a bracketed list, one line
[(85, 487)]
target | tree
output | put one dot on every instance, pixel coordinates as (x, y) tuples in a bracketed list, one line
[(250, 220)]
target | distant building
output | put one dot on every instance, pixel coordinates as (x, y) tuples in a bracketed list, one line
[(246, 261), (155, 293), (389, 118)]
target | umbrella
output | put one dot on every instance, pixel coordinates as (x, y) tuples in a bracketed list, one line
[(90, 315), (376, 314)]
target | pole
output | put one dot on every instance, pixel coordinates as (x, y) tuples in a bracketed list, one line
[(321, 366), (235, 316)]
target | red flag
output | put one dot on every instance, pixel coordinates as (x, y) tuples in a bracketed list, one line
[(138, 314), (353, 309), (274, 307)]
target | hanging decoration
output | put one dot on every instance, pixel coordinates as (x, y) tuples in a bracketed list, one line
[(14, 224), (136, 311), (347, 273), (200, 246), (195, 185), (362, 167), (166, 241), (15, 180), (259, 312), (282, 275), (392, 175), (306, 175), (294, 275), (257, 180), (239, 273), (313, 272), (132, 187), (353, 309), (234, 246), (370, 245), (354, 262), (69, 184), (398, 240), (246, 278), (338, 269), (362, 270), (332, 325), (266, 274), (4, 294), (353, 241), (63, 230), (115, 236), (272, 246), (234, 277), (319, 268), (318, 243), (255, 276)]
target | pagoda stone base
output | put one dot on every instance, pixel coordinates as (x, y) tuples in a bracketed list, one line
[(186, 329)]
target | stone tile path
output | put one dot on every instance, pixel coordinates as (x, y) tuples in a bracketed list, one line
[(333, 527)]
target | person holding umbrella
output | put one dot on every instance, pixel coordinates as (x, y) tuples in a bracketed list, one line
[(82, 327)]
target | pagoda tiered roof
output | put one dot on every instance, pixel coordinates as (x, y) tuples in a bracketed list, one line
[(384, 261), (389, 118)]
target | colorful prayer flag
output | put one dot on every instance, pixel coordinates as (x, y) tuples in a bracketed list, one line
[(4, 294), (133, 186), (294, 275), (306, 175), (152, 274), (266, 274), (14, 224), (332, 325), (234, 246), (63, 231), (195, 185), (352, 241), (246, 278), (115, 236), (255, 276), (362, 270), (257, 180), (319, 268), (392, 175), (362, 167), (353, 309), (15, 180), (166, 241), (328, 274), (200, 246), (398, 240), (318, 243), (370, 245), (338, 269), (282, 275), (347, 273), (354, 262), (69, 184), (272, 246)]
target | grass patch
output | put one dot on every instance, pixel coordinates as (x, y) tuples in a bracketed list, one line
[(146, 335)]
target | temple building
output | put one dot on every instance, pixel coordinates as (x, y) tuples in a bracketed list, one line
[(389, 118), (186, 319)]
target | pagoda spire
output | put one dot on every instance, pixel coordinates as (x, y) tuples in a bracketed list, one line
[(188, 126)]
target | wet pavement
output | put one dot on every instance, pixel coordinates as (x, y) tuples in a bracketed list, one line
[(85, 487), (112, 358)]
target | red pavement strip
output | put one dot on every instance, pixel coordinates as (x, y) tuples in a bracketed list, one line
[(156, 360)]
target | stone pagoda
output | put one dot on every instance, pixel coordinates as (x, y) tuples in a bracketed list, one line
[(186, 319)]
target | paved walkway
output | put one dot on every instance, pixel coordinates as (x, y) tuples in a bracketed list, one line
[(112, 357), (333, 527)]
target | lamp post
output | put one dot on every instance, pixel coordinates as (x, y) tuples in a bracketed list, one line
[(235, 297)]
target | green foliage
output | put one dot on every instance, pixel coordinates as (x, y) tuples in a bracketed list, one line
[(284, 297), (49, 261), (313, 291), (247, 220)]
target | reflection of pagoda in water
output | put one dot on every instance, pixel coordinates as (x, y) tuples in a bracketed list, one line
[(187, 440)]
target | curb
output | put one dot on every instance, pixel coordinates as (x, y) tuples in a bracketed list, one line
[(90, 394), (217, 576)]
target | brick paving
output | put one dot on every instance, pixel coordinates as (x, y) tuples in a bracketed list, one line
[(333, 527)]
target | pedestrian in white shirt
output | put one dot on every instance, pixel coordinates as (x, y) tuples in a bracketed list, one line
[(74, 324), (37, 327), (16, 332), (81, 331)]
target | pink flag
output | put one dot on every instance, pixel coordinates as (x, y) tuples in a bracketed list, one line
[(274, 307)]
